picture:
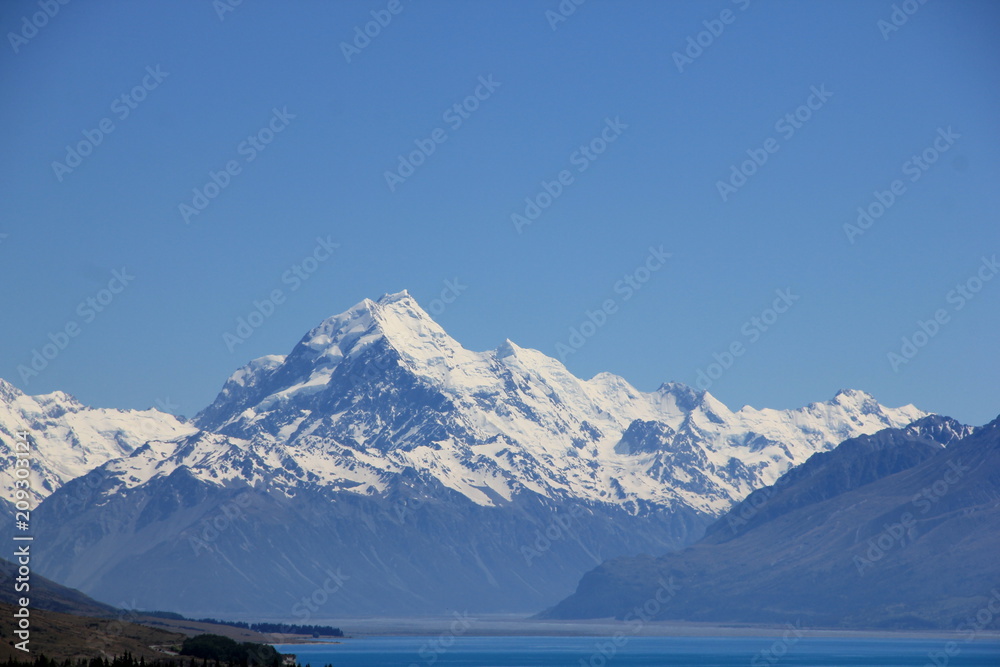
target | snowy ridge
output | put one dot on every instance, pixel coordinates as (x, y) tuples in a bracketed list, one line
[(70, 439), (381, 391), (433, 474), (382, 388)]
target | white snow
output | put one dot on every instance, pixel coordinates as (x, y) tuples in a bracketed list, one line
[(71, 439), (529, 424)]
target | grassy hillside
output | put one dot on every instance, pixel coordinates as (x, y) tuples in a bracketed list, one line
[(62, 636), (50, 596)]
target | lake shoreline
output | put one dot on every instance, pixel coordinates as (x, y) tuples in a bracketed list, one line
[(635, 651), (523, 626)]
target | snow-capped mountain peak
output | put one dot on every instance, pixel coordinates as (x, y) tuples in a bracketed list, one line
[(377, 433), (395, 320), (382, 390), (384, 382), (70, 439)]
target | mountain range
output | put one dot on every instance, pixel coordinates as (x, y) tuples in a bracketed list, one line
[(70, 439), (380, 467), (899, 529)]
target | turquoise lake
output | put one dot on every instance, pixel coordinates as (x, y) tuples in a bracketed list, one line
[(447, 651)]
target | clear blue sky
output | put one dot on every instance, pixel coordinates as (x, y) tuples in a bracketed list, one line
[(656, 184)]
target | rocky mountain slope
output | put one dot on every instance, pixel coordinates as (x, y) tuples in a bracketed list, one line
[(69, 439), (900, 529), (418, 476)]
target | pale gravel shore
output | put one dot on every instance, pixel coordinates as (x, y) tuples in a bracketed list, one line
[(520, 625)]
